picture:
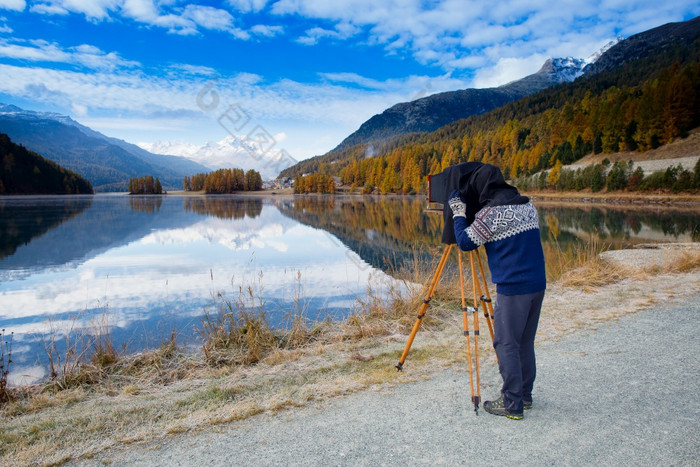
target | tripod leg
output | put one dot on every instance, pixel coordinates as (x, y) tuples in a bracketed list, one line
[(475, 286), (465, 322), (486, 298), (424, 306)]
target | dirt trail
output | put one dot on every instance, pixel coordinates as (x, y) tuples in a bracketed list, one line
[(621, 394)]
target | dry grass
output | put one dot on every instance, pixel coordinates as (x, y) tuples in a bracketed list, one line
[(247, 368), (5, 363), (596, 271)]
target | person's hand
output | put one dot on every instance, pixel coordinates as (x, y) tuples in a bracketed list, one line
[(459, 207)]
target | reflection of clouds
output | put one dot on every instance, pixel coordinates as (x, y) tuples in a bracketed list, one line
[(180, 269), (216, 231), (22, 375)]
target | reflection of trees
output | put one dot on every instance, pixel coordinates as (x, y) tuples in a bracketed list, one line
[(21, 221), (615, 224), (382, 231), (385, 231), (224, 207), (147, 204)]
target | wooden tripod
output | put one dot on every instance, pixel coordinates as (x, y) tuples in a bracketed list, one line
[(474, 261)]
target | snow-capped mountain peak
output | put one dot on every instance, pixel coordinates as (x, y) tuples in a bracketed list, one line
[(567, 69), (564, 70), (229, 152), (597, 54)]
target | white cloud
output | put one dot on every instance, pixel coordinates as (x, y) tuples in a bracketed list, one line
[(92, 9), (79, 110), (16, 5), (42, 51), (247, 6), (46, 9), (4, 28), (135, 102), (192, 70), (208, 17), (342, 31), (457, 35), (266, 31), (187, 20), (507, 70)]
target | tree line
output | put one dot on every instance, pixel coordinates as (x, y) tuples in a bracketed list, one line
[(145, 186), (636, 107), (618, 176), (25, 172), (224, 181), (314, 183)]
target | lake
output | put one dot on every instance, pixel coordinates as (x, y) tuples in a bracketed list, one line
[(148, 266)]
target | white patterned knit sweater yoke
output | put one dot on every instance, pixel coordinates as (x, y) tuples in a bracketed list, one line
[(494, 223)]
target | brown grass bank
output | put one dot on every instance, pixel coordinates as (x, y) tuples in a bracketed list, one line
[(248, 368)]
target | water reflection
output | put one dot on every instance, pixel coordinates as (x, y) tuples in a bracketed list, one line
[(145, 203), (619, 226), (150, 271), (151, 264), (386, 232), (21, 220), (225, 207)]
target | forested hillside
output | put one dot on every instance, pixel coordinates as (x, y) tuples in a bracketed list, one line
[(639, 105), (26, 172)]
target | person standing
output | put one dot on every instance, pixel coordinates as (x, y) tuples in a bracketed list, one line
[(506, 224)]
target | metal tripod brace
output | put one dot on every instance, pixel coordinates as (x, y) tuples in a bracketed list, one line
[(488, 314)]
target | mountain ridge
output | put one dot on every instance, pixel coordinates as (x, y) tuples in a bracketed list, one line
[(106, 161), (636, 104), (431, 112)]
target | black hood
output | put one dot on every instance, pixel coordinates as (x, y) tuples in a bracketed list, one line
[(479, 185)]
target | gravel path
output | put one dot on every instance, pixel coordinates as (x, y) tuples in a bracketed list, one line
[(621, 395)]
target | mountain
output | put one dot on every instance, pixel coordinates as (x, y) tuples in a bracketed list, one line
[(431, 112), (648, 99), (647, 43), (230, 152), (108, 163), (26, 172)]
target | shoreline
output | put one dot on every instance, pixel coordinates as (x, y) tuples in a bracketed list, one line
[(615, 198), (620, 199), (569, 197), (176, 392)]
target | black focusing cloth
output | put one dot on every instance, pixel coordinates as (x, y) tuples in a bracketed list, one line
[(479, 185)]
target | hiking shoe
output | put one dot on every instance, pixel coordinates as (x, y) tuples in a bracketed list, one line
[(497, 408), (527, 405)]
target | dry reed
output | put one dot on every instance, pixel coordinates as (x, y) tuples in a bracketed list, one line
[(246, 367)]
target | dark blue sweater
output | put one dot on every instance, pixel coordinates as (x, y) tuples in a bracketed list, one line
[(511, 236)]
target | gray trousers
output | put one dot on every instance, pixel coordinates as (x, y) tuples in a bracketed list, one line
[(515, 324)]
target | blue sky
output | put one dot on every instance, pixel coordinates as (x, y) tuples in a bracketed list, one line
[(306, 72)]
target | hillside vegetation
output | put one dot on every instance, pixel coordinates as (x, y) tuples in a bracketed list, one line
[(640, 105), (25, 172)]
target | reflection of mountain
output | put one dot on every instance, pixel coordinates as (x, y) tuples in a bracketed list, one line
[(21, 221), (82, 228), (109, 222), (383, 231)]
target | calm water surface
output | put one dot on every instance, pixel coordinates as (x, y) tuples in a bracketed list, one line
[(149, 266)]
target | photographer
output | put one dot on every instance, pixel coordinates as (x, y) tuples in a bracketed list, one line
[(487, 211)]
